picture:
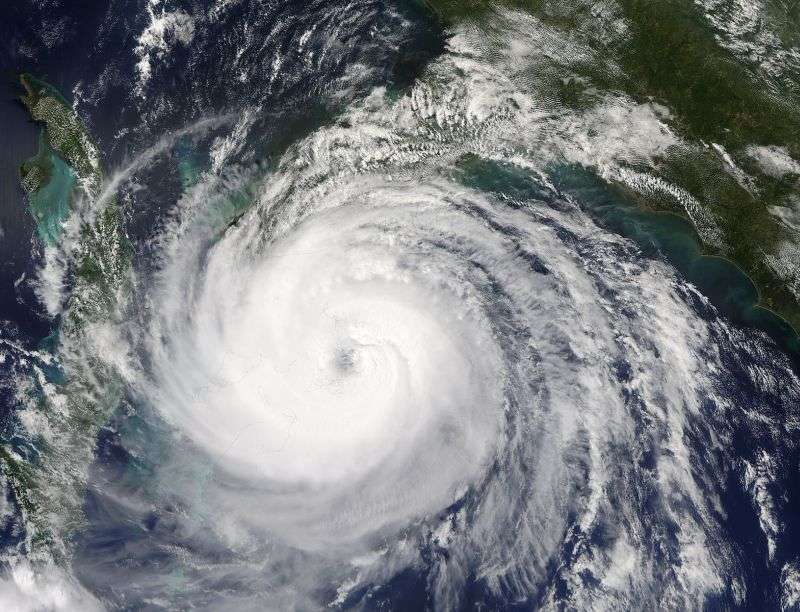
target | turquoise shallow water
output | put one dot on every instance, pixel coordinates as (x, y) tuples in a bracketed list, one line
[(661, 235), (674, 239), (50, 204)]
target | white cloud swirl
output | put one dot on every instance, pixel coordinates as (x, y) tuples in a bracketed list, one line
[(355, 359), (383, 358)]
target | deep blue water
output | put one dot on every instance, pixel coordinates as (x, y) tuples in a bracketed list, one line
[(119, 542)]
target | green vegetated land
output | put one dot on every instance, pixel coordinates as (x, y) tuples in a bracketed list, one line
[(67, 170), (65, 179), (722, 104)]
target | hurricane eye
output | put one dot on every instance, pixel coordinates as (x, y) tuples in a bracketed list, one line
[(344, 360)]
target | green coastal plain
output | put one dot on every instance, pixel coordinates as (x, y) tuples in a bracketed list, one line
[(723, 103)]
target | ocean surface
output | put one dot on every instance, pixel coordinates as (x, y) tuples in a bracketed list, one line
[(391, 306)]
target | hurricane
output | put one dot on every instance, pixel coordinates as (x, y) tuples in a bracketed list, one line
[(405, 356)]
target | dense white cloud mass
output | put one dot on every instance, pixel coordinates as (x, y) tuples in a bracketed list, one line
[(26, 589), (349, 358), (409, 348), (383, 354)]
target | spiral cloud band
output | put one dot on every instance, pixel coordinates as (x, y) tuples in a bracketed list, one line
[(363, 306), (402, 350), (354, 356), (386, 358)]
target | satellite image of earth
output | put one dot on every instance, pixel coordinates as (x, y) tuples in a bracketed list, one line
[(399, 305)]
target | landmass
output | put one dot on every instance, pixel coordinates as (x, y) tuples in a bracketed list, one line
[(46, 458), (736, 109)]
